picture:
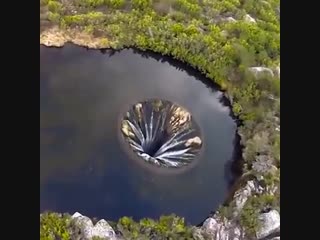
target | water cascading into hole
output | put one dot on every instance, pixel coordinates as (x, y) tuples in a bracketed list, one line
[(162, 133)]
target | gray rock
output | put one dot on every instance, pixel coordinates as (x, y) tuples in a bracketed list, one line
[(260, 188), (270, 223), (228, 19), (224, 33), (263, 165), (249, 19), (277, 71), (210, 225), (258, 71), (272, 97), (197, 234), (272, 189), (102, 229), (242, 195), (220, 19), (221, 230)]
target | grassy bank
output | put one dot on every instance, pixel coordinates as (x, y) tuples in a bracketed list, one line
[(222, 39)]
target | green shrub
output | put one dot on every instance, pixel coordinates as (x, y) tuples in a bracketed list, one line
[(117, 4), (54, 6), (91, 18), (53, 226), (141, 4), (44, 2), (253, 207), (167, 227), (54, 17), (186, 7), (91, 3)]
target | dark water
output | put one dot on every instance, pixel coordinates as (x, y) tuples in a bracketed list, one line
[(83, 95)]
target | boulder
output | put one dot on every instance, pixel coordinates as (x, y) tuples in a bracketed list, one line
[(220, 230), (270, 223), (258, 71), (249, 19), (102, 229)]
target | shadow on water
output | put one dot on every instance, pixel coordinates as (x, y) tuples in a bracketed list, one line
[(181, 66), (83, 165)]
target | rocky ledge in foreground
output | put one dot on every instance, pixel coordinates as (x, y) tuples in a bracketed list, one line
[(78, 227)]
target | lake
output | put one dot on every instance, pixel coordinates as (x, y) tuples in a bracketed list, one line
[(84, 165)]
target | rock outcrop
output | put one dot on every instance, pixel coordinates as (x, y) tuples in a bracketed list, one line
[(270, 223), (217, 229), (220, 228), (87, 230), (249, 19), (258, 71)]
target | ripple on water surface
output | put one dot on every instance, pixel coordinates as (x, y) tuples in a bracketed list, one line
[(94, 162)]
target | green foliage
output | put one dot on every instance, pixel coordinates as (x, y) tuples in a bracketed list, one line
[(141, 4), (116, 4), (167, 227), (54, 6), (276, 149), (91, 3), (237, 109), (225, 211), (252, 37), (249, 219), (44, 2), (53, 227), (91, 18), (54, 17), (226, 5), (272, 179), (97, 238), (188, 7), (253, 207)]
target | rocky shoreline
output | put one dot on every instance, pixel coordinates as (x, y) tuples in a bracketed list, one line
[(217, 227), (214, 228)]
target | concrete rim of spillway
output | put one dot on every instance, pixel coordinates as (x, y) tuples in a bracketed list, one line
[(132, 156)]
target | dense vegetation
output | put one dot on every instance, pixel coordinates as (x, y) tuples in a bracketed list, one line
[(57, 226), (224, 39)]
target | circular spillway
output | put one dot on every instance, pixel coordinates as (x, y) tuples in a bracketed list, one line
[(112, 125), (161, 133)]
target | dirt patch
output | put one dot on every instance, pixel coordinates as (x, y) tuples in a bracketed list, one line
[(55, 37)]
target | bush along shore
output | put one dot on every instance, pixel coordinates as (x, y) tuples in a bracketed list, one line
[(236, 43)]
